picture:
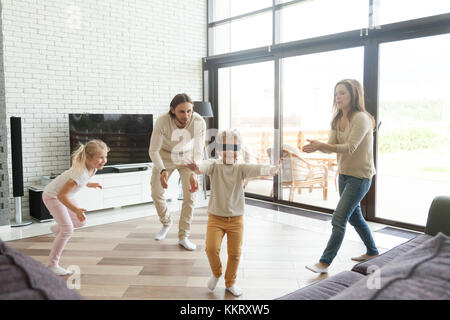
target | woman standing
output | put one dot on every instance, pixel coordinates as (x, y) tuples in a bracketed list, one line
[(351, 138)]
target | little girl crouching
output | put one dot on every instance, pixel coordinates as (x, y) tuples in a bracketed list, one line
[(58, 196)]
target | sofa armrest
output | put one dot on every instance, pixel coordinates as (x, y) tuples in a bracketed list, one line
[(439, 216), (366, 267), (22, 277), (325, 289)]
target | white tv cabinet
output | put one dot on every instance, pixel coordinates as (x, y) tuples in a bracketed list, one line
[(123, 189)]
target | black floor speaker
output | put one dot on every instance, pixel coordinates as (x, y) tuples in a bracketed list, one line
[(17, 170), (16, 156)]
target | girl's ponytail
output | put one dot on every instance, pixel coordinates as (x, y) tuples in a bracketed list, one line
[(79, 157)]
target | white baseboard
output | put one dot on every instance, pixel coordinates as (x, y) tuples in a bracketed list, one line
[(5, 228)]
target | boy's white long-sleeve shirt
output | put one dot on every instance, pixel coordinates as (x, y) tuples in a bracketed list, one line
[(176, 143), (227, 185)]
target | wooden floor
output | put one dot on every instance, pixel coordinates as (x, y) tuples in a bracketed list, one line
[(123, 261)]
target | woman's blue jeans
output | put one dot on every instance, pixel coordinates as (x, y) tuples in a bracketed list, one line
[(351, 190)]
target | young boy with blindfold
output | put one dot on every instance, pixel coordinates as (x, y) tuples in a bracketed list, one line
[(226, 205)]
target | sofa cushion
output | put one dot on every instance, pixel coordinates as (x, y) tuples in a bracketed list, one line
[(367, 266), (422, 273), (25, 278), (325, 289)]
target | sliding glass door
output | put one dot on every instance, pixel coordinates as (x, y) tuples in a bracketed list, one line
[(307, 88), (414, 136), (246, 103), (268, 70)]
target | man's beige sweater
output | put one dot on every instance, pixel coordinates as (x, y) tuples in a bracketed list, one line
[(170, 143)]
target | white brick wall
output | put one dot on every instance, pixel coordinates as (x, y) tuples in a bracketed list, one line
[(4, 184), (104, 56)]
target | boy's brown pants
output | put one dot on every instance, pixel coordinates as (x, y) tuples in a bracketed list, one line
[(217, 227)]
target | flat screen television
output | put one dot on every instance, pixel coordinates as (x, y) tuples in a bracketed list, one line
[(127, 135)]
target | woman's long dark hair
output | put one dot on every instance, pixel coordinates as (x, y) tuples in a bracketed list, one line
[(356, 101), (179, 98)]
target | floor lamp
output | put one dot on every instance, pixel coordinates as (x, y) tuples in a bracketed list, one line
[(204, 109)]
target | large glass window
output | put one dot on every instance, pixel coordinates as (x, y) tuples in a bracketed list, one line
[(299, 20), (406, 89), (246, 102), (309, 19), (307, 88), (414, 136), (390, 11), (245, 33), (224, 9)]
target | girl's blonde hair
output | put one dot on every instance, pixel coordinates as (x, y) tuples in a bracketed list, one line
[(91, 148)]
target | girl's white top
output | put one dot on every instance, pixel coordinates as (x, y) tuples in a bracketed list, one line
[(79, 175)]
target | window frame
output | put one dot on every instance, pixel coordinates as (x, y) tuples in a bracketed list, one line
[(370, 38)]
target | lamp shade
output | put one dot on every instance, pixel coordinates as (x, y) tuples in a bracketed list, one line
[(203, 108)]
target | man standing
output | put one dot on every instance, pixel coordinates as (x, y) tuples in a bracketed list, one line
[(178, 135)]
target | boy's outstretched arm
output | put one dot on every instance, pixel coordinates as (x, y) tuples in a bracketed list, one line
[(255, 170), (274, 170)]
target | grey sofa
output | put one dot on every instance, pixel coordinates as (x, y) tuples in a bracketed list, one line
[(23, 278), (416, 270)]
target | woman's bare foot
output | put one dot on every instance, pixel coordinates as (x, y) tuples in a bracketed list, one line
[(319, 267), (322, 265), (363, 257)]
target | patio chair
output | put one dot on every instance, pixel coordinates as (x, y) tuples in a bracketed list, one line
[(298, 173)]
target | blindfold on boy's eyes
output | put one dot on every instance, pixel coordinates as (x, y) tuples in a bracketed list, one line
[(229, 147)]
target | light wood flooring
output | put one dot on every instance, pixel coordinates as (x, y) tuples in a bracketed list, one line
[(122, 260)]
